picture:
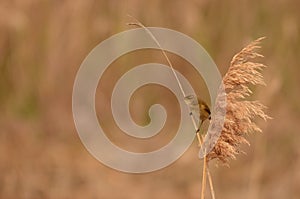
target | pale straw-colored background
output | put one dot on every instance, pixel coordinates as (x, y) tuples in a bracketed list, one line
[(42, 44)]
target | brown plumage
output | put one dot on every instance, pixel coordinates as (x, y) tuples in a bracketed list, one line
[(195, 102)]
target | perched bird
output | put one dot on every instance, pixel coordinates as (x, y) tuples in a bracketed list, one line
[(196, 103)]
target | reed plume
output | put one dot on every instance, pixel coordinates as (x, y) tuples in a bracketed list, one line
[(240, 113)]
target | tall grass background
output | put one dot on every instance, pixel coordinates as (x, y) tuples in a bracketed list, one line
[(42, 44)]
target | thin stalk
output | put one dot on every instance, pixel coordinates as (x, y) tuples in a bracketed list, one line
[(199, 137), (203, 178), (139, 24), (212, 191)]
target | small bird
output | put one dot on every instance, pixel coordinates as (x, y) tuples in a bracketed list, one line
[(195, 102)]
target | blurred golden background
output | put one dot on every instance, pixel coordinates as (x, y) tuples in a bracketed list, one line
[(43, 43)]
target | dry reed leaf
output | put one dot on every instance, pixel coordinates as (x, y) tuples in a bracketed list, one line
[(240, 113)]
